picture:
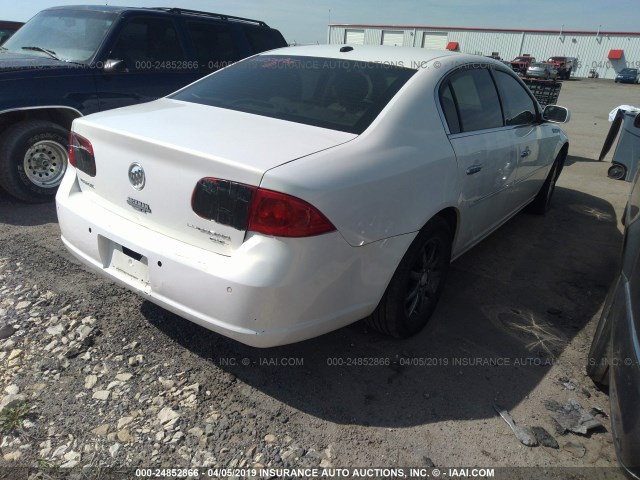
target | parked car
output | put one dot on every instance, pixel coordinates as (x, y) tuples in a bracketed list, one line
[(520, 64), (7, 29), (71, 61), (304, 189), (542, 70), (564, 65), (628, 75), (614, 358)]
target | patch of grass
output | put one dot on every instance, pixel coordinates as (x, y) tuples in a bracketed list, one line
[(48, 470), (12, 418), (44, 464)]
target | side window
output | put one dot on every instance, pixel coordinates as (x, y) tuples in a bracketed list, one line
[(519, 108), (449, 108), (213, 44), (477, 99), (262, 39), (148, 44)]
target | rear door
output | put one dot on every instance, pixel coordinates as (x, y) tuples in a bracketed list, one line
[(484, 150), (214, 45)]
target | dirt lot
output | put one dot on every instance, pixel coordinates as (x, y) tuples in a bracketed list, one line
[(113, 380)]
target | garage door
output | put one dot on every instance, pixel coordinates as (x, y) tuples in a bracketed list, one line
[(434, 40), (393, 38), (354, 37)]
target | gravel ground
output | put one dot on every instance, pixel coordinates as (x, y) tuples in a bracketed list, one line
[(111, 380)]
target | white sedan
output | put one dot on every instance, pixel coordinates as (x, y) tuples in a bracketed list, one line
[(306, 188)]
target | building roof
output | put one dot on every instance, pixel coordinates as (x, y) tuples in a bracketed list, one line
[(473, 29)]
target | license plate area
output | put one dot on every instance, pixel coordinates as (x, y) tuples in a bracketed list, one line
[(125, 263)]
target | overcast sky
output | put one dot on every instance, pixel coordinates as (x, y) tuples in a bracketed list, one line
[(305, 21)]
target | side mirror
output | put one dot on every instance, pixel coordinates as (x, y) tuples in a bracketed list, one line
[(114, 65), (636, 122), (556, 114)]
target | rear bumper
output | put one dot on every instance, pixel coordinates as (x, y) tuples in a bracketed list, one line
[(271, 291), (537, 74)]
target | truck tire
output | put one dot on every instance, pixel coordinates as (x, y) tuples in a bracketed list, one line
[(33, 160)]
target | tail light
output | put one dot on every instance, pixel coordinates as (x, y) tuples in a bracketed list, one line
[(263, 211), (282, 215), (81, 154)]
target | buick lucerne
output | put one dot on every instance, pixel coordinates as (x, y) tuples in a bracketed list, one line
[(306, 188)]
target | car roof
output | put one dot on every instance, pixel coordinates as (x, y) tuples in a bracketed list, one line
[(166, 10), (95, 8), (400, 56)]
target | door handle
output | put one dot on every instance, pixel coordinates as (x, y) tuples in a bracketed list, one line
[(474, 169), (525, 153)]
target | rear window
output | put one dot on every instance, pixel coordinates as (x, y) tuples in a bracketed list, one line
[(213, 44), (324, 92), (263, 39)]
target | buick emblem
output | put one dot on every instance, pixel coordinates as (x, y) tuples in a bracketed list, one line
[(136, 176)]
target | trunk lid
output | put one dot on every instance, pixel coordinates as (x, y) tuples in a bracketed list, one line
[(176, 144)]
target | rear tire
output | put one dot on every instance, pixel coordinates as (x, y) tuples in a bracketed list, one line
[(416, 286), (33, 160)]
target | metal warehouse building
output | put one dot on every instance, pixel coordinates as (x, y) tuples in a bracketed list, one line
[(605, 52)]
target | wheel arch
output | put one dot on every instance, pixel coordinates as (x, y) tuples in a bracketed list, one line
[(452, 216), (562, 157), (60, 115)]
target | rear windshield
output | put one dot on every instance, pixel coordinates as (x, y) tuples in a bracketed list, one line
[(324, 92), (557, 59)]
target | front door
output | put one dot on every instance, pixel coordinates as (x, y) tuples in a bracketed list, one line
[(151, 63)]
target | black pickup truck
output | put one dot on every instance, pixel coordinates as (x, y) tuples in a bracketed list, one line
[(72, 61)]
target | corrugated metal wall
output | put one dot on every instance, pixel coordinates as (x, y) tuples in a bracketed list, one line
[(590, 49)]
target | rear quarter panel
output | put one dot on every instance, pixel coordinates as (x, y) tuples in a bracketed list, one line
[(390, 180)]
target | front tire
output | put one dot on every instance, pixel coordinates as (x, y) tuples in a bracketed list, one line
[(33, 159), (542, 202), (416, 286)]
